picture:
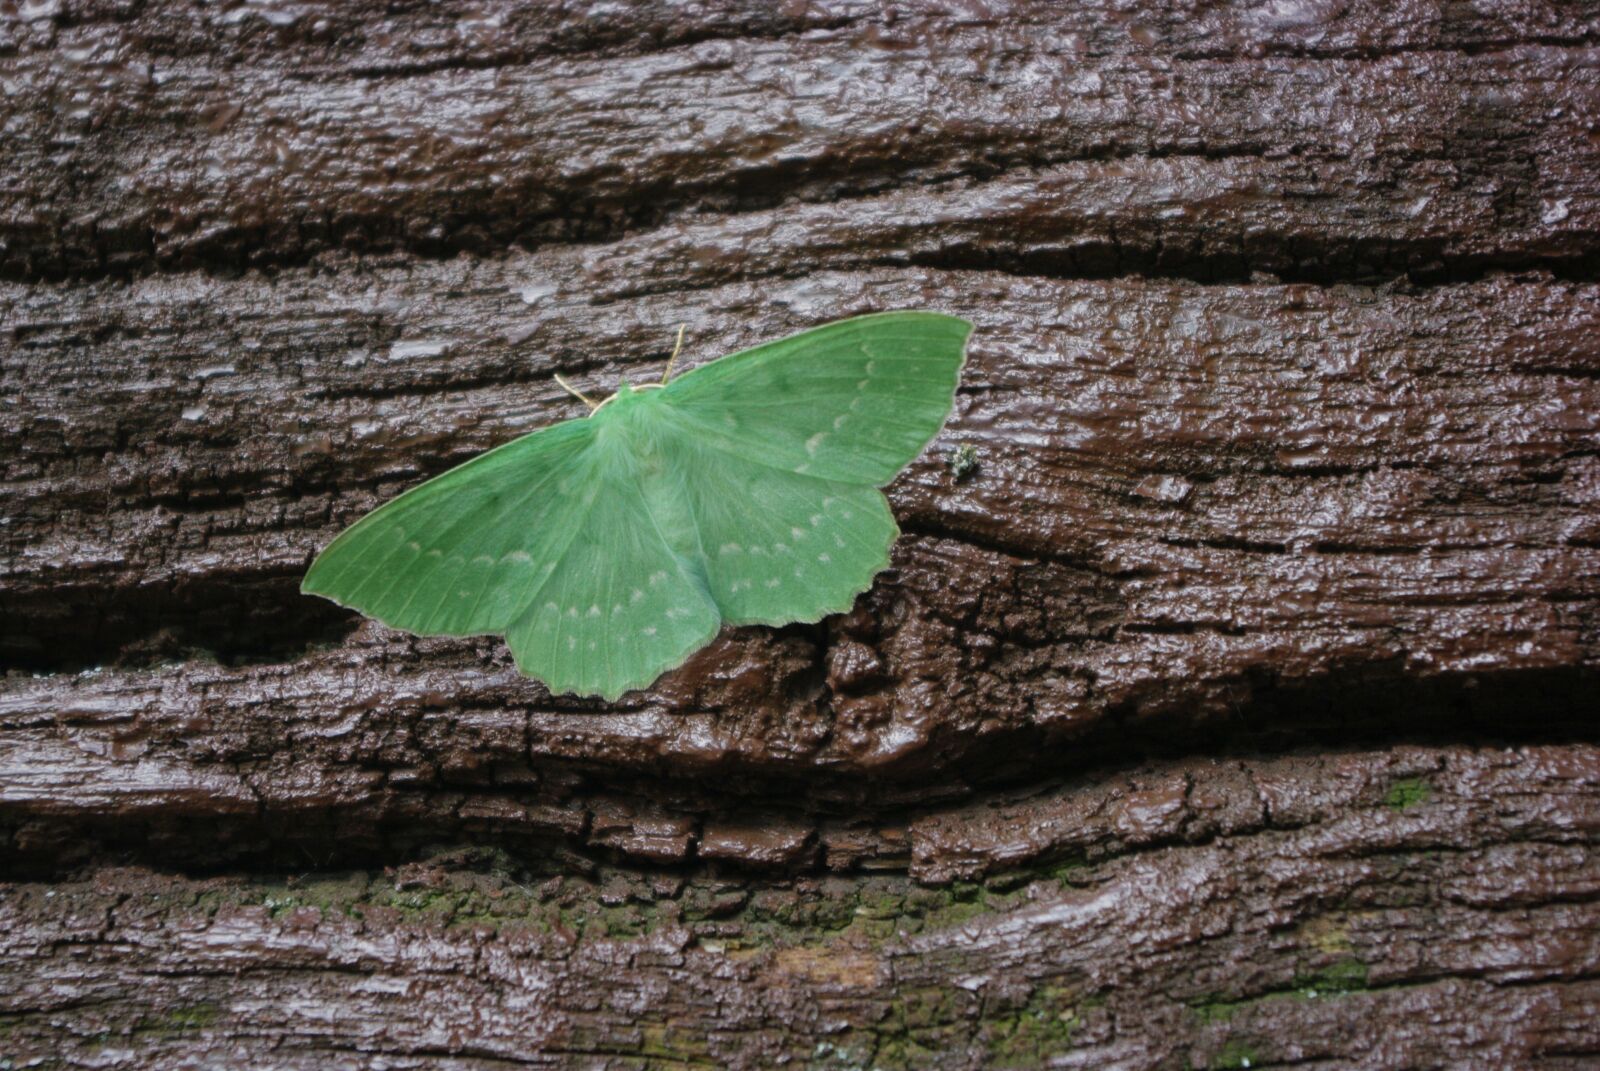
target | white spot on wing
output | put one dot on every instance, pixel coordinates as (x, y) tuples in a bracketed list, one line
[(650, 631), (815, 441), (838, 421), (824, 558), (729, 548), (657, 577), (797, 532), (638, 593), (519, 556), (774, 582), (594, 611), (572, 643), (414, 545)]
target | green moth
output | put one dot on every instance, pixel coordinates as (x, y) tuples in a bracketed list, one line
[(609, 548)]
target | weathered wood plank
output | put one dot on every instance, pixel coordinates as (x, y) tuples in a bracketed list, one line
[(133, 144), (1191, 500), (1327, 910)]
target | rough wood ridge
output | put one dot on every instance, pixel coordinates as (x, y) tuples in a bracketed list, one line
[(1237, 710)]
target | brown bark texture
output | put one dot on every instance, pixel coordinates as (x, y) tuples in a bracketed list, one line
[(1239, 709)]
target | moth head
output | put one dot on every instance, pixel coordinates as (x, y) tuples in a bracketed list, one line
[(623, 390), (627, 394)]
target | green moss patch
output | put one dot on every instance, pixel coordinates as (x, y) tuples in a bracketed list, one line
[(1407, 793), (1337, 979)]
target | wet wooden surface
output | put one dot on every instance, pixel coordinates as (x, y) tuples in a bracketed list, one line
[(1238, 707)]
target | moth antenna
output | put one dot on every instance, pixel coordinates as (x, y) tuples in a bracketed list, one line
[(674, 358), (576, 393)]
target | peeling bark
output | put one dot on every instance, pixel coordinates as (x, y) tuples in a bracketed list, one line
[(1237, 709)]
